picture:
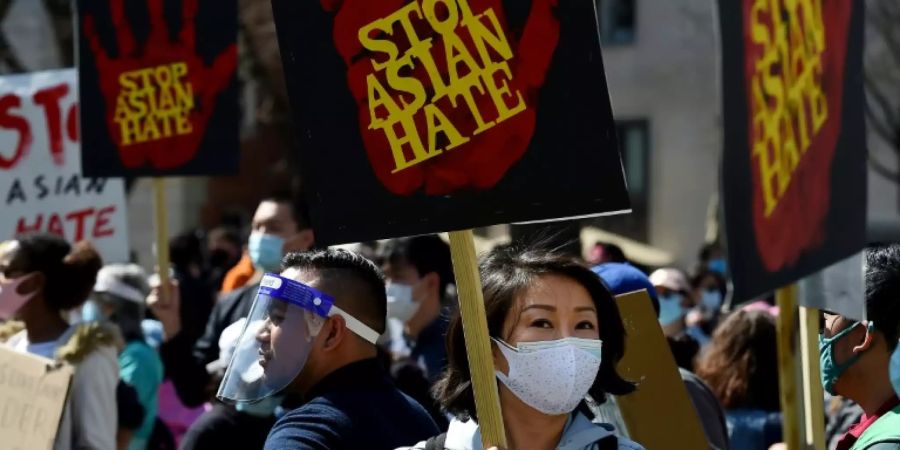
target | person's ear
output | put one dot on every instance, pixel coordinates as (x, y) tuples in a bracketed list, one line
[(335, 331), (867, 342), (32, 284), (500, 362), (432, 283)]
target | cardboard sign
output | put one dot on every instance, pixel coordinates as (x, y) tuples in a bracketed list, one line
[(425, 116), (158, 87), (794, 174), (659, 414), (41, 185), (32, 398)]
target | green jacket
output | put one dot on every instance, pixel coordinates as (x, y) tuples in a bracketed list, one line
[(884, 434)]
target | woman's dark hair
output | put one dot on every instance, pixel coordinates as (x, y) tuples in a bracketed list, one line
[(506, 273), (741, 366), (69, 271)]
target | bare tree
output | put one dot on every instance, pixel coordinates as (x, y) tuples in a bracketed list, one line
[(882, 81)]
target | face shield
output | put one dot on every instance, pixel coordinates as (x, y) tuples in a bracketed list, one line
[(277, 338)]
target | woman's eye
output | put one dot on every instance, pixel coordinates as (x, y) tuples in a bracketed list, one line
[(585, 326), (542, 323)]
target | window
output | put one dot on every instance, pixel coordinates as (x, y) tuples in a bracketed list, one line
[(634, 146), (617, 21)]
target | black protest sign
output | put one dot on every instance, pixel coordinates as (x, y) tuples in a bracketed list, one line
[(424, 116), (158, 87), (794, 167)]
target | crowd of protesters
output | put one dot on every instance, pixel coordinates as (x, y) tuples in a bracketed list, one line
[(387, 367)]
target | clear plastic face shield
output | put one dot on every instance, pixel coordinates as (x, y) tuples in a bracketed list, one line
[(278, 337)]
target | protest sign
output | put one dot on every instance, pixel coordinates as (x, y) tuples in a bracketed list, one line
[(839, 288), (794, 167), (158, 81), (429, 116), (659, 414), (33, 394), (41, 185)]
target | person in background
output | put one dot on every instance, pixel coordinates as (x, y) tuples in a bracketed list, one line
[(741, 368), (548, 317), (675, 301), (625, 278), (280, 225), (312, 333), (604, 252), (710, 289), (186, 252), (419, 273), (224, 248), (855, 355), (119, 297), (42, 275), (712, 258)]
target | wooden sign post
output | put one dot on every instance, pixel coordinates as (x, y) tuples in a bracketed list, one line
[(478, 343), (161, 223)]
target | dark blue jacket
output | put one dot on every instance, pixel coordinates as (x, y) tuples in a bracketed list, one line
[(355, 407)]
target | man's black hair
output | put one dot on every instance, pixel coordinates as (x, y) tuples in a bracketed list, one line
[(299, 208), (356, 283), (426, 253), (883, 290)]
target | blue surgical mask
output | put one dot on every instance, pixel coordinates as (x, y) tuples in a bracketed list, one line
[(831, 370), (711, 300), (670, 309), (90, 312), (895, 369), (718, 265), (265, 251)]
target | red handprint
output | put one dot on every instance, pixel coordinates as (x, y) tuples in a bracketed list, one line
[(486, 154), (158, 99)]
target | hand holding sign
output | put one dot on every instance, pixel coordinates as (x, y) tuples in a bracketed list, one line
[(451, 82), (158, 99)]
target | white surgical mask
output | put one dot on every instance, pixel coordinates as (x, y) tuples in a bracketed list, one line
[(400, 304), (552, 377)]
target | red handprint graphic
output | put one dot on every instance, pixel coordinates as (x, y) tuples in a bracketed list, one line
[(158, 99), (447, 93), (794, 118)]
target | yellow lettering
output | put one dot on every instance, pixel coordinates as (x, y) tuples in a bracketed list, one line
[(438, 123)]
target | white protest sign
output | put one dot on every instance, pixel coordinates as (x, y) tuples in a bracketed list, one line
[(32, 397), (41, 187)]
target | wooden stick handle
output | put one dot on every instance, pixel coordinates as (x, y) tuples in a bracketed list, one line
[(814, 397), (161, 222), (786, 298), (478, 346)]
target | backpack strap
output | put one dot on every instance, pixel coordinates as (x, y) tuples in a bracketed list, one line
[(891, 444), (436, 442), (610, 442)]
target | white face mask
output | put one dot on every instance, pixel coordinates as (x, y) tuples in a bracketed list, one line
[(551, 376), (400, 304)]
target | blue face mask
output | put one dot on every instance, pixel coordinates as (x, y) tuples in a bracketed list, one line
[(265, 251), (895, 369), (711, 300), (718, 265), (831, 370), (90, 312), (670, 309)]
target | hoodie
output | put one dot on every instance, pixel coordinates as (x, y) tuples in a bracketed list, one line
[(579, 434)]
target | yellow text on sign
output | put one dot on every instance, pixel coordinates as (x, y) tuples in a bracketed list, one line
[(154, 103)]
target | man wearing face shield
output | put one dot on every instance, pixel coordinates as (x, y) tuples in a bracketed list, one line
[(280, 225), (311, 332)]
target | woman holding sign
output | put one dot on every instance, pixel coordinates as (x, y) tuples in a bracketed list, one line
[(557, 336), (42, 276)]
